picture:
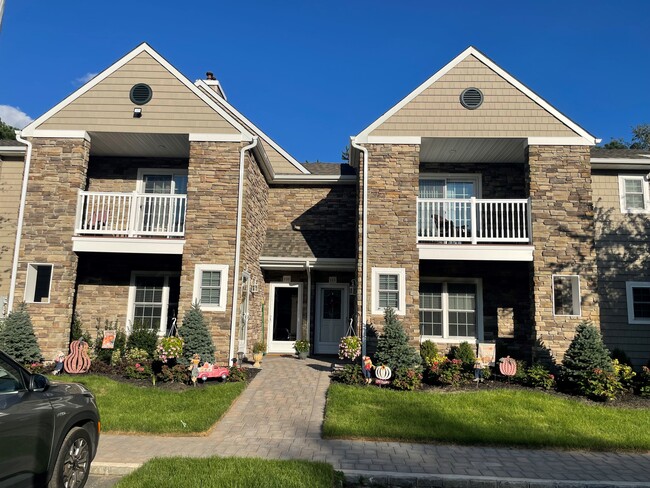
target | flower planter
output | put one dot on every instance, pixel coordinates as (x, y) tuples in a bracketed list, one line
[(303, 354), (257, 357)]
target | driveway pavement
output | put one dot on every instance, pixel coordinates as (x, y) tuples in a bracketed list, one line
[(279, 416)]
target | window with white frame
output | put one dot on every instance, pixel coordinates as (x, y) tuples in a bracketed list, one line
[(638, 302), (38, 283), (388, 290), (210, 286), (451, 309), (634, 192), (566, 295), (153, 300)]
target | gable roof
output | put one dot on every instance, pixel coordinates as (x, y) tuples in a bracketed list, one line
[(142, 50), (564, 126)]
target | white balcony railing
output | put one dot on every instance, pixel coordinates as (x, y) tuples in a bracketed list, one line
[(130, 214), (473, 220)]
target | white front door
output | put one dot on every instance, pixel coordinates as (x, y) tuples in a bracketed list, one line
[(285, 316), (331, 317)]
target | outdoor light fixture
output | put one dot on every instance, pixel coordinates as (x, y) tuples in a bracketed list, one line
[(137, 113)]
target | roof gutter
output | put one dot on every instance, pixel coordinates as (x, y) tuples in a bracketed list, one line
[(240, 206), (21, 216), (364, 241), (315, 179)]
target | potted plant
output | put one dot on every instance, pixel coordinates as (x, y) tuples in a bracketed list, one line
[(258, 353), (302, 349)]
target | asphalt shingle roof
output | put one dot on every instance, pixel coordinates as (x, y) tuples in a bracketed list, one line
[(601, 152), (10, 142), (335, 169), (309, 244)]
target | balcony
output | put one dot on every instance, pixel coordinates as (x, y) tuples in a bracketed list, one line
[(484, 226), (103, 216)]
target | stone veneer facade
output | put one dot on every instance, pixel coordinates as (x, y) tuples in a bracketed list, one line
[(58, 171), (393, 184), (559, 184), (210, 234)]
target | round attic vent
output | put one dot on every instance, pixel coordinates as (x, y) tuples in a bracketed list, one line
[(471, 98), (140, 94)]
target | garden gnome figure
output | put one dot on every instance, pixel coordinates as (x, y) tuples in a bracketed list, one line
[(194, 367), (367, 369), (58, 362)]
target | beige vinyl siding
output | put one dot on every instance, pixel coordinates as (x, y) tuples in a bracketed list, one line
[(623, 254), (174, 108), (505, 112), (280, 164), (11, 174)]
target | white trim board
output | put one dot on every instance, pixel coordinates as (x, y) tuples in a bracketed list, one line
[(144, 47), (129, 245), (461, 252), (472, 51)]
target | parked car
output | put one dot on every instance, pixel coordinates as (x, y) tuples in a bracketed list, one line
[(49, 431)]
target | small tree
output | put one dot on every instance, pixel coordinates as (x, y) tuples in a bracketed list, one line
[(393, 348), (196, 336), (585, 354), (18, 339)]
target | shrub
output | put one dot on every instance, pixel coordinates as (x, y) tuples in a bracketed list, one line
[(521, 375), (350, 374), (143, 338), (643, 382), (537, 376), (586, 354), (18, 338), (393, 349), (624, 373), (136, 355), (77, 332), (174, 374), (407, 379), (450, 372), (237, 375), (105, 355), (432, 367), (465, 353), (601, 385), (428, 351), (350, 347), (116, 357), (139, 371), (259, 347), (487, 373), (169, 348), (196, 337), (621, 355)]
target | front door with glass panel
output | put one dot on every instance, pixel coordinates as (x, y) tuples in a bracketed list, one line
[(285, 316), (331, 317)]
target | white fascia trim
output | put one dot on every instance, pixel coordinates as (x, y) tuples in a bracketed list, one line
[(11, 150), (211, 84), (435, 252), (223, 286), (607, 163), (144, 47), (389, 140), (128, 245), (472, 51), (278, 263), (56, 134), (560, 141), (219, 138), (253, 127), (315, 179), (629, 285)]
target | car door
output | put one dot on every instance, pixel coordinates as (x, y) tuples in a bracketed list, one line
[(26, 428)]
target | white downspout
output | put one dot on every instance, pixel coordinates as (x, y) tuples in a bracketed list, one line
[(240, 206), (364, 242), (308, 266), (21, 215)]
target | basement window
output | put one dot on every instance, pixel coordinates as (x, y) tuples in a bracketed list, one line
[(566, 295), (38, 283)]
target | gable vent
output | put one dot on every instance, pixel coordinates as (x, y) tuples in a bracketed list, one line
[(471, 98), (140, 94)]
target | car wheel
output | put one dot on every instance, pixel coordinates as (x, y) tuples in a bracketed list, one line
[(73, 462)]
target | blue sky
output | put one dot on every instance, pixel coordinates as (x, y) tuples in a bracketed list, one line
[(310, 74)]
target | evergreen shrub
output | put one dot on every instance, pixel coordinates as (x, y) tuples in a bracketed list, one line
[(144, 338), (428, 352), (465, 352), (350, 374), (18, 339), (586, 356), (393, 348), (196, 337)]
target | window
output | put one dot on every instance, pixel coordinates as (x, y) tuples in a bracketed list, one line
[(634, 193), (210, 284), (37, 285), (11, 380), (153, 300), (389, 285), (638, 302), (566, 295), (451, 309)]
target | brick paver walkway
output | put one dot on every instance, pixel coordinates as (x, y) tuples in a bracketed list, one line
[(280, 414)]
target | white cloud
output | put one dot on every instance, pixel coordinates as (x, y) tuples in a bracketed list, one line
[(85, 78), (14, 117)]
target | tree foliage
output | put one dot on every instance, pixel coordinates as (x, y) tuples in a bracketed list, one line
[(640, 139), (393, 348), (586, 354), (18, 339), (196, 336), (6, 131)]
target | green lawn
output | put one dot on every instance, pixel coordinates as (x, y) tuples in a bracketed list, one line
[(496, 417), (127, 408), (231, 473)]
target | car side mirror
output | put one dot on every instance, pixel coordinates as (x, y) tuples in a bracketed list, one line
[(38, 382)]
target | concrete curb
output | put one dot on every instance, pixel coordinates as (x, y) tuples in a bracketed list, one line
[(421, 480), (113, 469)]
